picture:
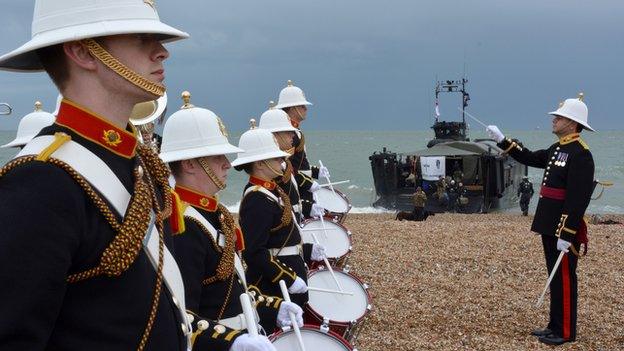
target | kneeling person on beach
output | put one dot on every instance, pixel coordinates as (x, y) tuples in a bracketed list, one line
[(206, 237)]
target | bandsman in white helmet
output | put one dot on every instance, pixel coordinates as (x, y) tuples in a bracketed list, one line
[(567, 185), (30, 125), (292, 100), (207, 240), (273, 245), (84, 213), (276, 121)]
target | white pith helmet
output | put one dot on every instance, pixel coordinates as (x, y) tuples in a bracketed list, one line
[(291, 96), (60, 21), (259, 144), (275, 120), (194, 132), (148, 111), (574, 109), (30, 126)]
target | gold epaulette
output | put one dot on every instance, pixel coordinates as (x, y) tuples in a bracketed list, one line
[(583, 144), (60, 138)]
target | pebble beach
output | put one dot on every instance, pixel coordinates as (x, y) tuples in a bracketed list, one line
[(470, 282)]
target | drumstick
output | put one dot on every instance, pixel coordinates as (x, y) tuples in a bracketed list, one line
[(311, 288), (328, 180), (293, 319), (473, 117), (315, 198), (314, 230), (252, 328), (550, 278), (334, 183), (328, 265)]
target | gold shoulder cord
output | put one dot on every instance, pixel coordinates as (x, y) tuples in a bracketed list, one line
[(287, 210), (127, 243)]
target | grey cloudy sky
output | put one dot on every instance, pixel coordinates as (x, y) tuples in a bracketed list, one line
[(373, 64)]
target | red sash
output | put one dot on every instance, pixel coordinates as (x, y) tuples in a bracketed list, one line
[(559, 194)]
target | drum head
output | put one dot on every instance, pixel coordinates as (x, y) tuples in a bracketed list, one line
[(313, 339), (337, 307), (336, 203), (335, 238)]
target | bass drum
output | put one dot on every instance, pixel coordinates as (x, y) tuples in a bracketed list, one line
[(335, 237), (343, 313), (335, 202), (314, 339)]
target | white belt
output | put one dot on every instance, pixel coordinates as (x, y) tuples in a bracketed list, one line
[(287, 251), (237, 322)]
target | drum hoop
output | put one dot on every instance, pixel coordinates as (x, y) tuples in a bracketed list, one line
[(343, 196), (343, 228), (315, 328)]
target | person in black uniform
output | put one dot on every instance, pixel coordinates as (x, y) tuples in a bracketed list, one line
[(276, 121), (273, 246), (525, 192), (206, 237), (292, 100), (84, 233), (564, 196)]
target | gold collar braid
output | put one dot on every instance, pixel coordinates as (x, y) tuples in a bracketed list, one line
[(122, 70)]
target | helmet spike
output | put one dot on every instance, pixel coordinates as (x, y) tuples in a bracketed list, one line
[(581, 96), (252, 124), (289, 83), (186, 97), (38, 106), (272, 104)]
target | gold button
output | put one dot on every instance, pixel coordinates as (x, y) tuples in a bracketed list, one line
[(543, 183), (202, 325), (219, 329), (190, 317), (269, 299), (558, 148)]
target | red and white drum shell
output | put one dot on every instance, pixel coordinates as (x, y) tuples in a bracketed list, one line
[(335, 237), (314, 339), (335, 202), (343, 313)]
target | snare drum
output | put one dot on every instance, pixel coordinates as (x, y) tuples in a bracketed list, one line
[(335, 238), (336, 203), (314, 339), (343, 313)]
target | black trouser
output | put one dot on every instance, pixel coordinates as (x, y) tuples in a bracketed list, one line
[(563, 289), (418, 213), (524, 203)]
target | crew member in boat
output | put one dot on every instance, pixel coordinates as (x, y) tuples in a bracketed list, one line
[(292, 100), (273, 245), (206, 237), (525, 192), (84, 242), (566, 190)]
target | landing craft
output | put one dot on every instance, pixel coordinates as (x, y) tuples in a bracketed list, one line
[(489, 178)]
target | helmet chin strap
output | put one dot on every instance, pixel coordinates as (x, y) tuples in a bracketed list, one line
[(276, 172), (301, 117), (122, 70), (291, 150), (213, 177)]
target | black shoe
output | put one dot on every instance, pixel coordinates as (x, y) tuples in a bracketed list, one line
[(541, 332), (553, 339)]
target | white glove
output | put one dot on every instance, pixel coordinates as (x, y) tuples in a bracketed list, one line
[(314, 187), (247, 342), (563, 245), (283, 317), (317, 211), (318, 252), (323, 172), (495, 133), (298, 287)]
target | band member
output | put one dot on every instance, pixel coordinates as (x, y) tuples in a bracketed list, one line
[(273, 246), (276, 121), (30, 125), (292, 100), (206, 237), (564, 196), (84, 235)]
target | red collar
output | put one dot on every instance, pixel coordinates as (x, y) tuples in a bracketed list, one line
[(95, 128), (196, 199), (269, 184)]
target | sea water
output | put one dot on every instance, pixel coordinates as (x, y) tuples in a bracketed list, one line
[(345, 154)]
